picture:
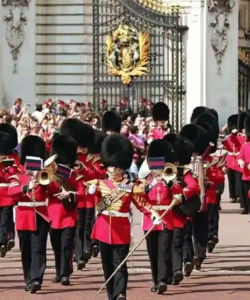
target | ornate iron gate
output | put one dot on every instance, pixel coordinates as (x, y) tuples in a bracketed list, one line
[(243, 86), (165, 82)]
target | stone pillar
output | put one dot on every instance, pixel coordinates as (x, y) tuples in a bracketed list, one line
[(222, 57), (211, 80), (17, 51), (195, 57)]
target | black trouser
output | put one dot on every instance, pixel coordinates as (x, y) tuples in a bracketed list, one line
[(243, 195), (200, 234), (112, 256), (83, 242), (246, 185), (177, 249), (7, 228), (234, 178), (213, 220), (188, 249), (159, 252), (165, 253), (33, 250), (62, 241)]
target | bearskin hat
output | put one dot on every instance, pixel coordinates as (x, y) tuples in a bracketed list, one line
[(97, 142), (241, 120), (183, 148), (210, 118), (161, 148), (32, 145), (117, 151), (5, 143), (212, 134), (11, 130), (198, 111), (232, 123), (66, 149), (111, 121), (160, 112), (81, 132), (197, 135), (247, 126)]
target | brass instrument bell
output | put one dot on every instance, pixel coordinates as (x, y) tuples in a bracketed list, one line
[(169, 172)]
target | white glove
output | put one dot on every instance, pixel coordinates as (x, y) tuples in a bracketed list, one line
[(178, 199), (155, 217), (241, 163), (92, 189)]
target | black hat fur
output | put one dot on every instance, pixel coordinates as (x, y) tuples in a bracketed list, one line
[(11, 130), (111, 121), (97, 142), (117, 151), (232, 122), (66, 149), (160, 112), (161, 148), (32, 145), (197, 135), (81, 132), (198, 111), (183, 148), (247, 126)]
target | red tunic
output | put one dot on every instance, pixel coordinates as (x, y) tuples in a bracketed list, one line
[(93, 170), (115, 230), (25, 215), (160, 194), (97, 172), (233, 144), (61, 217), (245, 156), (215, 177), (5, 178)]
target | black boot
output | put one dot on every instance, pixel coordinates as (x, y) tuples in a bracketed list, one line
[(161, 288), (177, 277), (188, 268), (35, 286)]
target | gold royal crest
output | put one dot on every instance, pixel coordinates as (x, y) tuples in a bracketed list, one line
[(127, 53)]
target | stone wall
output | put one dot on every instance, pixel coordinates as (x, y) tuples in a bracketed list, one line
[(22, 83)]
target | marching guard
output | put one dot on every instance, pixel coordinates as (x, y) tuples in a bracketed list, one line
[(62, 208), (112, 226), (9, 163), (32, 220)]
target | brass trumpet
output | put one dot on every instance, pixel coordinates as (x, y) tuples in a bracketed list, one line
[(47, 175), (169, 172)]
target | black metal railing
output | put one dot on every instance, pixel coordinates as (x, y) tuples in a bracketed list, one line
[(243, 86), (166, 80)]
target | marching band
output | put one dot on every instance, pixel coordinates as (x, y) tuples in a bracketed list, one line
[(79, 190)]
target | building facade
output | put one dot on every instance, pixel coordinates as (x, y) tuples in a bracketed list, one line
[(51, 53)]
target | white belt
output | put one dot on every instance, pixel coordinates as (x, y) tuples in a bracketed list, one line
[(4, 185), (112, 213), (32, 204), (160, 207), (233, 153)]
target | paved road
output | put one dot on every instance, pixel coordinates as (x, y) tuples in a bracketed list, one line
[(225, 274)]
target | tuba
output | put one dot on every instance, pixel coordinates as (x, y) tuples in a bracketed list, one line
[(169, 172)]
